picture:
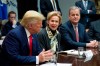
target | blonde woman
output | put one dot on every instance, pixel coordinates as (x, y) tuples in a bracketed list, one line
[(49, 37)]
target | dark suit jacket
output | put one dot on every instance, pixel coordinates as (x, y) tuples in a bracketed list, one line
[(15, 48), (45, 41), (68, 39), (7, 27), (91, 6), (94, 30), (46, 6), (84, 13)]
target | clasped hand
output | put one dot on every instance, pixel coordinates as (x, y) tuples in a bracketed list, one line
[(92, 43)]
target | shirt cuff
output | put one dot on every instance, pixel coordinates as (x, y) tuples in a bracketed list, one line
[(37, 60)]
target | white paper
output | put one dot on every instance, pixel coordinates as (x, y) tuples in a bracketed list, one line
[(88, 55), (58, 64), (73, 52)]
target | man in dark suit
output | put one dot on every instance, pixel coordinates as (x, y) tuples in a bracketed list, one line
[(21, 45), (47, 6), (11, 24), (87, 8), (73, 34), (94, 30)]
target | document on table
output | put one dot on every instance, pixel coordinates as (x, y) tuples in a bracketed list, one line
[(88, 55), (73, 52), (58, 64)]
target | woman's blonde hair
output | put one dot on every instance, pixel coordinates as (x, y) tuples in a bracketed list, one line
[(30, 16), (54, 13)]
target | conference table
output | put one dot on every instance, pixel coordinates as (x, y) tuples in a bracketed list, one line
[(95, 60), (75, 61)]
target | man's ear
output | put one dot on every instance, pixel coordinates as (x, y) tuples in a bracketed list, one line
[(29, 25)]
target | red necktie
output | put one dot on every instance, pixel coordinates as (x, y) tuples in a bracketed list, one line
[(30, 45), (76, 32)]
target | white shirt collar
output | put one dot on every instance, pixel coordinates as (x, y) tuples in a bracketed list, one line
[(84, 1), (54, 5), (74, 26), (27, 33)]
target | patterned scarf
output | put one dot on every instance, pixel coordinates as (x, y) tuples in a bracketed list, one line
[(53, 38)]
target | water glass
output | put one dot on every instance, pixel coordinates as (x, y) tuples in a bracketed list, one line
[(80, 52)]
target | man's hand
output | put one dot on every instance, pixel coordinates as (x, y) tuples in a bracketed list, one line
[(45, 55), (93, 43), (14, 22)]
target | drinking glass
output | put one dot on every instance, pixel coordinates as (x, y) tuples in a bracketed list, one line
[(80, 52), (54, 58)]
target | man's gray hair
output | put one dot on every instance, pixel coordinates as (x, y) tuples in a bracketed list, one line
[(73, 8)]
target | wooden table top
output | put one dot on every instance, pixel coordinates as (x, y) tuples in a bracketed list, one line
[(95, 60)]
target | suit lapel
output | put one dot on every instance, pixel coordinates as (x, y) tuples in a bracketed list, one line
[(71, 30), (34, 42), (88, 6), (50, 4), (57, 4), (79, 31), (24, 37), (82, 5)]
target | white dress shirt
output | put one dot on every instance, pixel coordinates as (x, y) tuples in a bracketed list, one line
[(28, 34), (54, 5), (85, 3)]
